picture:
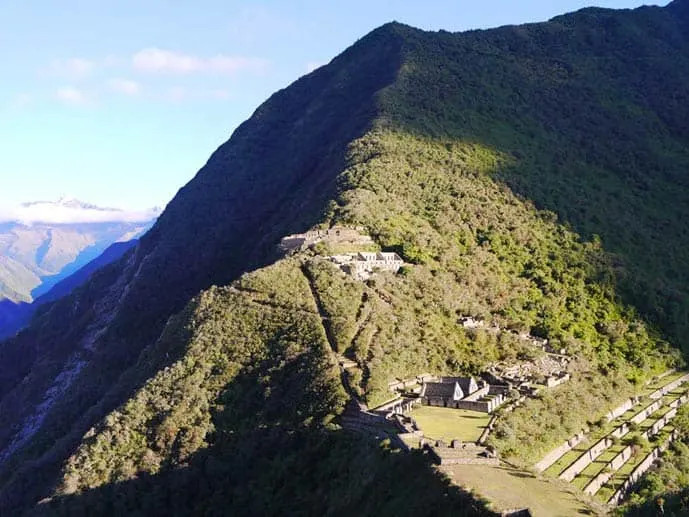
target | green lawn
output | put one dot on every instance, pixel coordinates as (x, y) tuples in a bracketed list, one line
[(447, 424)]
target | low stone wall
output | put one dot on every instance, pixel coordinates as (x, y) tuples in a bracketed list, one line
[(484, 435), (596, 483), (645, 413), (560, 451), (669, 387), (450, 456), (622, 409), (640, 470), (585, 459)]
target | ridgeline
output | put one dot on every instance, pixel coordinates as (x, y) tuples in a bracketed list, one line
[(532, 176)]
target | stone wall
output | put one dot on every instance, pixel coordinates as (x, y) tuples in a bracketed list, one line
[(560, 451), (554, 381), (640, 470), (480, 393), (483, 406), (621, 458), (489, 428), (585, 459), (646, 412), (596, 483), (622, 409), (679, 402), (468, 454), (669, 387)]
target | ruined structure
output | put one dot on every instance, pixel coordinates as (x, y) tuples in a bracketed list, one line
[(363, 264), (461, 453), (462, 393), (336, 235)]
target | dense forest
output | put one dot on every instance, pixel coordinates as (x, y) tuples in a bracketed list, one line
[(533, 176)]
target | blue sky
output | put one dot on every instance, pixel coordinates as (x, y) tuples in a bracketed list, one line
[(120, 102)]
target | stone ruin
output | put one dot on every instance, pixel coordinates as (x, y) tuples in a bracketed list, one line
[(461, 453), (462, 393), (361, 265), (336, 234)]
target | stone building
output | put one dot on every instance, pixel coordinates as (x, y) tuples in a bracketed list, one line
[(462, 393), (363, 264), (443, 394), (336, 234)]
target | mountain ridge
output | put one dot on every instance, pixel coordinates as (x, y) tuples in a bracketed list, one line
[(489, 174)]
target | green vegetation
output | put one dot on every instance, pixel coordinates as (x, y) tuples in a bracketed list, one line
[(534, 177), (450, 424), (668, 481), (266, 354)]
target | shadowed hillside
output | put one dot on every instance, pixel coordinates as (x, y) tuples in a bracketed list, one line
[(530, 176)]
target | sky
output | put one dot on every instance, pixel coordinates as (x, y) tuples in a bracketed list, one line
[(120, 102)]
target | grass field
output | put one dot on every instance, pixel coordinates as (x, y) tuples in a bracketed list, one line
[(508, 488), (447, 424)]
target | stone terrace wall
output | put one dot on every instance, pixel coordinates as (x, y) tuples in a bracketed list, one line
[(669, 387), (626, 453), (560, 451), (585, 459), (622, 409), (645, 413), (596, 483), (640, 470), (680, 401)]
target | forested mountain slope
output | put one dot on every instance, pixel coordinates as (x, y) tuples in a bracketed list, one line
[(533, 176), (15, 316)]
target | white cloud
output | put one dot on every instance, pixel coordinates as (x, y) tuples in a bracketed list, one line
[(155, 60), (74, 96), (57, 213), (124, 86), (75, 68)]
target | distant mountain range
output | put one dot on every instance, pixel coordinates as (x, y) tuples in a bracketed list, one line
[(42, 243), (16, 315)]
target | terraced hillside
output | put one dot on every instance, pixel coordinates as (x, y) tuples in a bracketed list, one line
[(611, 456)]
